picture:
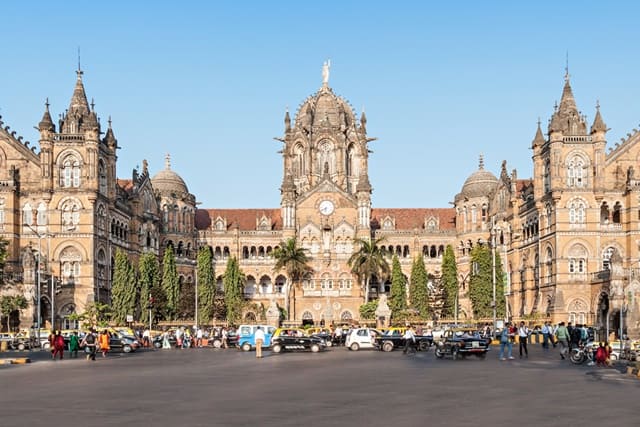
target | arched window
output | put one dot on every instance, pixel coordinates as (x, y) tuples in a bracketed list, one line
[(576, 172), (606, 257), (41, 218), (70, 260), (102, 178), (577, 259), (27, 214), (70, 215), (298, 160), (70, 173), (546, 178), (577, 212), (616, 218)]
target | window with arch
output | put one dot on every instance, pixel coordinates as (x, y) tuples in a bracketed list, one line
[(70, 215), (70, 260), (577, 213), (576, 172), (27, 214), (102, 177), (326, 282), (325, 157), (298, 160), (546, 177), (352, 164), (41, 218), (70, 173), (577, 259), (606, 257)]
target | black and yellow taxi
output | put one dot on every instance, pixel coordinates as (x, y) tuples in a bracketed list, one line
[(461, 342), (295, 339)]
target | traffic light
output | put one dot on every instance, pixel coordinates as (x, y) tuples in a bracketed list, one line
[(58, 286), (150, 305)]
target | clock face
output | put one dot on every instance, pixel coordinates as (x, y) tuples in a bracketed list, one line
[(326, 207)]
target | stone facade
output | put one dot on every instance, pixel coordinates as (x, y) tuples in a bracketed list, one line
[(567, 237)]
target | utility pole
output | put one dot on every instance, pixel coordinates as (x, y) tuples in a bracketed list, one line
[(493, 269)]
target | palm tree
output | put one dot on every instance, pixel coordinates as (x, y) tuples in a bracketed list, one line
[(294, 260), (369, 260)]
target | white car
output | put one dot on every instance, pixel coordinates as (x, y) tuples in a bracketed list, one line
[(361, 338)]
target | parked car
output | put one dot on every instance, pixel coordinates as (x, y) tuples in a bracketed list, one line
[(246, 340), (459, 343), (325, 334), (362, 338), (232, 339), (123, 343), (292, 339)]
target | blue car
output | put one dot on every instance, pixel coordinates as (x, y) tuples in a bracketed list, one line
[(246, 336)]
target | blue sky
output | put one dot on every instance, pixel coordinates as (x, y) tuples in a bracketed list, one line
[(208, 82)]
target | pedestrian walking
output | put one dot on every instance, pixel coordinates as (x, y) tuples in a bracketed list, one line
[(199, 335), (409, 339), (146, 338), (562, 335), (74, 345), (505, 343), (89, 344), (58, 345), (546, 330), (52, 343), (523, 337), (259, 338), (225, 338), (103, 340)]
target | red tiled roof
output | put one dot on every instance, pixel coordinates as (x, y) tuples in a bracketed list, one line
[(410, 218), (125, 184), (521, 184), (244, 219)]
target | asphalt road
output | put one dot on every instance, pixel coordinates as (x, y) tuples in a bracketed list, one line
[(205, 387)]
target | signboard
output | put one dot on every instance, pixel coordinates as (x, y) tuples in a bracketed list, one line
[(129, 318)]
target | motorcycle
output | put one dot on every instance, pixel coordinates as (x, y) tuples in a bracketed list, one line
[(583, 353)]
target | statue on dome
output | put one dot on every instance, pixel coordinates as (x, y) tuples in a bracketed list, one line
[(325, 72)]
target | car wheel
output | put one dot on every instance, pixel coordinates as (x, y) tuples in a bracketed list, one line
[(613, 356), (246, 347), (439, 353), (315, 348), (217, 343), (329, 343), (21, 346), (354, 347), (424, 346), (157, 344), (277, 348), (387, 346), (127, 348), (45, 346)]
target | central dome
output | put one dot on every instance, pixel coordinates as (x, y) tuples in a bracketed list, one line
[(325, 108), (168, 182), (481, 183)]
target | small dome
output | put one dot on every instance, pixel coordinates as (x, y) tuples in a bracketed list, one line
[(325, 108), (480, 183), (168, 182)]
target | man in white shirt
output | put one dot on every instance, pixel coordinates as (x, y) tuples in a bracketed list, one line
[(199, 338), (409, 339), (523, 336), (259, 338)]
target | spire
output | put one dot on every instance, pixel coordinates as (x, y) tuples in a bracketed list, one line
[(481, 163), (566, 117), (538, 140), (598, 124), (567, 102), (46, 123), (109, 137), (167, 162), (287, 120), (79, 102), (363, 183)]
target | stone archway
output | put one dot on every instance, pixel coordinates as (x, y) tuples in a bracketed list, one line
[(307, 318)]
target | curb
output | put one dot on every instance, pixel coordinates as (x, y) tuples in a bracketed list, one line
[(18, 361)]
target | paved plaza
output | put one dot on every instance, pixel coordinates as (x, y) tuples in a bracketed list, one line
[(205, 387)]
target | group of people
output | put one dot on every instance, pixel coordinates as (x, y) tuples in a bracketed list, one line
[(90, 341), (508, 338)]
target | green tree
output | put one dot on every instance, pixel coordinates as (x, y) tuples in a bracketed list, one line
[(206, 285), (234, 281), (418, 288), (481, 283), (148, 279), (368, 310), (398, 297), (11, 303), (123, 288), (294, 261), (95, 314), (369, 260), (449, 282), (186, 301), (170, 283), (3, 257)]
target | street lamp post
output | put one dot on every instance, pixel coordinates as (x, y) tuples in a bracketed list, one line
[(493, 271), (38, 278)]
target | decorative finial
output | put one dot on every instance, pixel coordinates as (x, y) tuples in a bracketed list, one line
[(79, 71), (539, 121), (109, 121), (566, 68), (481, 164), (167, 162), (145, 166), (46, 104), (598, 104), (325, 72), (93, 104)]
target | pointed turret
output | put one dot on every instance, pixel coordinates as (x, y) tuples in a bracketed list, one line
[(538, 140), (46, 124), (79, 102), (363, 183), (287, 121), (109, 138), (288, 186), (567, 119), (598, 124)]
